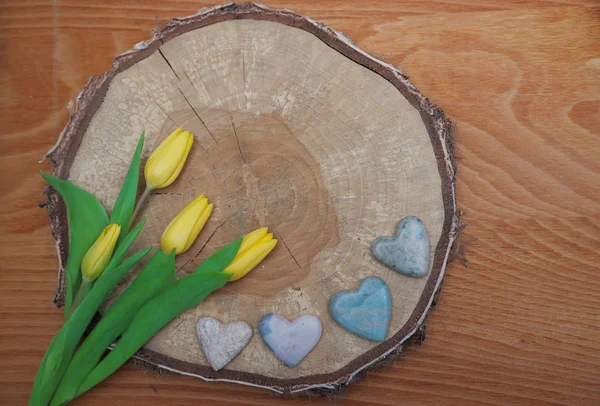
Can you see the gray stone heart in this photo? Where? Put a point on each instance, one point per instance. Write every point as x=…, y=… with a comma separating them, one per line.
x=408, y=251
x=221, y=343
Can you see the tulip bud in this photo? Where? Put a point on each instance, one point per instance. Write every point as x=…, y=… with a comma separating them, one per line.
x=181, y=233
x=98, y=256
x=254, y=248
x=166, y=162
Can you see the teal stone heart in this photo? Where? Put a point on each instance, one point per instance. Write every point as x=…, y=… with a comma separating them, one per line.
x=407, y=252
x=365, y=312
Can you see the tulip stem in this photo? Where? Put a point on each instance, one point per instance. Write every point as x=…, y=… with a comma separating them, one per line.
x=83, y=290
x=141, y=202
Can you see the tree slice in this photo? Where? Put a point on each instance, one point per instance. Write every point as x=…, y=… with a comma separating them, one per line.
x=296, y=129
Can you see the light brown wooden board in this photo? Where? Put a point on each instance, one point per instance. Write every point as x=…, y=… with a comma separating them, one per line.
x=507, y=330
x=295, y=129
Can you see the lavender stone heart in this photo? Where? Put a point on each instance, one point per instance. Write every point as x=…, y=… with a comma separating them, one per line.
x=407, y=252
x=221, y=343
x=290, y=342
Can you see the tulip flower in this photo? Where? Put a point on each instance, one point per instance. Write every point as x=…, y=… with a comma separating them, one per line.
x=166, y=162
x=99, y=254
x=254, y=248
x=181, y=233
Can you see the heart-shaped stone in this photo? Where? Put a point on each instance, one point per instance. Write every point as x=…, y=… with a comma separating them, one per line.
x=407, y=252
x=366, y=311
x=290, y=342
x=221, y=343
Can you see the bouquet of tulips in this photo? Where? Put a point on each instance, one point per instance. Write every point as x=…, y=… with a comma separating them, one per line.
x=96, y=262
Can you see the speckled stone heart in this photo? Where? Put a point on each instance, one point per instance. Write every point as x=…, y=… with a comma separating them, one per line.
x=290, y=342
x=407, y=252
x=366, y=311
x=221, y=343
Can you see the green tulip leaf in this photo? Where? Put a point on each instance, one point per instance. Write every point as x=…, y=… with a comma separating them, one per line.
x=125, y=203
x=176, y=298
x=122, y=248
x=222, y=258
x=158, y=273
x=87, y=218
x=181, y=295
x=61, y=350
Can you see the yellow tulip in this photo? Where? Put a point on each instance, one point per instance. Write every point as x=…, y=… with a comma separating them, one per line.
x=97, y=257
x=166, y=162
x=181, y=233
x=254, y=248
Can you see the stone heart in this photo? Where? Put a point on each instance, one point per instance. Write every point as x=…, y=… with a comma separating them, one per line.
x=221, y=343
x=407, y=252
x=365, y=312
x=290, y=342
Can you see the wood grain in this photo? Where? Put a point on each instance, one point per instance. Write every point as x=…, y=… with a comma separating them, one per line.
x=520, y=325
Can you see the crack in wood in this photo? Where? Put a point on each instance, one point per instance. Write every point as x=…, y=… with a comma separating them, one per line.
x=252, y=184
x=206, y=242
x=197, y=115
x=190, y=80
x=237, y=141
x=181, y=320
x=200, y=145
x=287, y=248
x=168, y=63
x=192, y=107
x=183, y=95
x=166, y=114
x=244, y=72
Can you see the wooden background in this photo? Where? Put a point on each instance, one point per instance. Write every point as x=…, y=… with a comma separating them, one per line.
x=519, y=325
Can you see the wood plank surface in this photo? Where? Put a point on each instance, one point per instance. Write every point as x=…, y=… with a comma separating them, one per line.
x=519, y=325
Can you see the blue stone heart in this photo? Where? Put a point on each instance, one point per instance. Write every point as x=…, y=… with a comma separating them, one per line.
x=365, y=312
x=407, y=252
